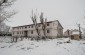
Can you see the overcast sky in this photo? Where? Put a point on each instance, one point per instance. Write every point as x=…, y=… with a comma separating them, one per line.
x=68, y=12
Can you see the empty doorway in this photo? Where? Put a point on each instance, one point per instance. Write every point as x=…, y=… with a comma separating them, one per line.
x=25, y=33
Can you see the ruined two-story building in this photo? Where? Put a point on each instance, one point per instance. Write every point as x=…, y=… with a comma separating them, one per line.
x=53, y=30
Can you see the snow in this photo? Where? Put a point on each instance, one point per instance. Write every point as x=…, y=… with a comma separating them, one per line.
x=42, y=47
x=75, y=33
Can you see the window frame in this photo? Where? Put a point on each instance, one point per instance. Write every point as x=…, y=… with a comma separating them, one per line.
x=48, y=24
x=32, y=26
x=25, y=27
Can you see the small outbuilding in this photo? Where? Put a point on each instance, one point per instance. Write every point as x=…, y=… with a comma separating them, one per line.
x=75, y=35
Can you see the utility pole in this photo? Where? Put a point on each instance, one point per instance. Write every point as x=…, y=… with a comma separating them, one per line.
x=79, y=31
x=68, y=32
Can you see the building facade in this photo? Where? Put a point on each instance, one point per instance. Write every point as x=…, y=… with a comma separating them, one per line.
x=53, y=30
x=73, y=34
x=67, y=33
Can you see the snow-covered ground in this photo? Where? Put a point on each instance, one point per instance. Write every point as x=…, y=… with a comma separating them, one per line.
x=42, y=47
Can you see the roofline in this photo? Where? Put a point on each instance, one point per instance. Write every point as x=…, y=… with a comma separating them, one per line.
x=38, y=23
x=60, y=24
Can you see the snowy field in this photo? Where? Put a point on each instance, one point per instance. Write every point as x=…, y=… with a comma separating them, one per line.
x=47, y=47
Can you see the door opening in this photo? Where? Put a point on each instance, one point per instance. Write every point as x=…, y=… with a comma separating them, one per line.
x=25, y=33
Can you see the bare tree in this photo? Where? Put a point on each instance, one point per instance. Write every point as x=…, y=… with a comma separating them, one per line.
x=5, y=28
x=43, y=22
x=3, y=1
x=4, y=15
x=34, y=19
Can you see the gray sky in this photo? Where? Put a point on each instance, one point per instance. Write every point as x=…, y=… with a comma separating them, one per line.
x=68, y=12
